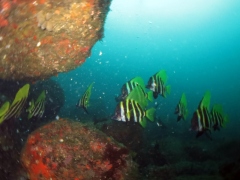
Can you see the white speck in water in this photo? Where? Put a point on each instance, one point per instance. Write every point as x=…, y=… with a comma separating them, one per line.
x=38, y=44
x=57, y=117
x=60, y=140
x=100, y=53
x=1, y=38
x=35, y=3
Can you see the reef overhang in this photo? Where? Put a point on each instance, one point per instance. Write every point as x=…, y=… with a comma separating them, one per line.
x=41, y=38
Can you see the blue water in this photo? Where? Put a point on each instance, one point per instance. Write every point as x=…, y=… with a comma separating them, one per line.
x=196, y=42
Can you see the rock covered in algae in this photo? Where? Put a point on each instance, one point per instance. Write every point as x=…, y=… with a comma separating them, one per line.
x=70, y=150
x=40, y=38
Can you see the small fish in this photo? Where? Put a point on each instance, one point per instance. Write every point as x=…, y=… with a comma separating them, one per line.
x=84, y=100
x=130, y=110
x=37, y=109
x=134, y=89
x=181, y=109
x=218, y=117
x=202, y=120
x=16, y=107
x=157, y=82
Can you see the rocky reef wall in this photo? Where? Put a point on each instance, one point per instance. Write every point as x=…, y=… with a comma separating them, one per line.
x=41, y=38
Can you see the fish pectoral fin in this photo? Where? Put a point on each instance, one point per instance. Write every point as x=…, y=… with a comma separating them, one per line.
x=85, y=109
x=200, y=133
x=179, y=118
x=150, y=114
x=150, y=96
x=143, y=122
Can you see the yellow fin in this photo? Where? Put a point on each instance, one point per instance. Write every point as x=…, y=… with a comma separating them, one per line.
x=3, y=111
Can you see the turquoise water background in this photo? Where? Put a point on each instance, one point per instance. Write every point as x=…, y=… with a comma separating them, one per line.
x=197, y=43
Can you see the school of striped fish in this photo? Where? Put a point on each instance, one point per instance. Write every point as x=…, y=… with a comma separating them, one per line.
x=13, y=110
x=132, y=105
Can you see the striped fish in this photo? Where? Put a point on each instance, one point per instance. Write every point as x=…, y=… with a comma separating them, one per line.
x=37, y=109
x=130, y=110
x=157, y=82
x=202, y=120
x=181, y=109
x=84, y=100
x=218, y=117
x=135, y=89
x=16, y=107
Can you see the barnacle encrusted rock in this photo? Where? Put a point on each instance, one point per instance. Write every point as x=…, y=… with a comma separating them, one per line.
x=40, y=38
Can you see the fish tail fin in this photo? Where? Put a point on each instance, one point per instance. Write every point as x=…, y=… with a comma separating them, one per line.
x=167, y=91
x=3, y=111
x=225, y=120
x=143, y=122
x=150, y=114
x=150, y=96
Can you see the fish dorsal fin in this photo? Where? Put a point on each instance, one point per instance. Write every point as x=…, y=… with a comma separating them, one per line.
x=183, y=100
x=206, y=100
x=163, y=75
x=87, y=93
x=137, y=94
x=22, y=93
x=90, y=88
x=225, y=120
x=4, y=108
x=138, y=80
x=217, y=108
x=41, y=97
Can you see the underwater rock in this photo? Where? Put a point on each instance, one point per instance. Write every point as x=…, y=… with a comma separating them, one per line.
x=131, y=135
x=230, y=170
x=161, y=173
x=40, y=38
x=64, y=149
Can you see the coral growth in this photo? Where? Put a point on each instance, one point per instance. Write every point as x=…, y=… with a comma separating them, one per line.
x=68, y=150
